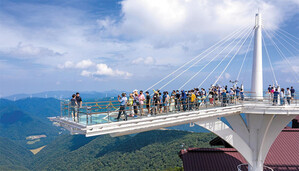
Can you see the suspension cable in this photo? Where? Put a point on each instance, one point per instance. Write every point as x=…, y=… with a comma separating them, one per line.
x=224, y=39
x=288, y=33
x=233, y=57
x=271, y=66
x=282, y=55
x=288, y=37
x=209, y=62
x=286, y=42
x=245, y=57
x=222, y=60
x=191, y=66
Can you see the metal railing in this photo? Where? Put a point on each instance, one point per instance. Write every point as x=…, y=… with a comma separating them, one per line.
x=90, y=113
x=243, y=167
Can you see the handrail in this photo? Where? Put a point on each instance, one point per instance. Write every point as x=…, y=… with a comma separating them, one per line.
x=107, y=112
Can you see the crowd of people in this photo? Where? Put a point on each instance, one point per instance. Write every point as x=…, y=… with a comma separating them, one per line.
x=280, y=95
x=139, y=104
x=177, y=100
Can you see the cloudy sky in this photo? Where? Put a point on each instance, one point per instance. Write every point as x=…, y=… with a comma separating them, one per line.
x=100, y=45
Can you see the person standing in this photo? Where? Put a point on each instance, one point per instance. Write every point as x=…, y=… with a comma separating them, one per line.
x=135, y=103
x=292, y=92
x=156, y=101
x=275, y=97
x=79, y=100
x=74, y=108
x=242, y=94
x=282, y=96
x=183, y=99
x=79, y=104
x=288, y=95
x=178, y=100
x=192, y=100
x=224, y=98
x=130, y=104
x=141, y=101
x=147, y=102
x=211, y=99
x=172, y=103
x=237, y=93
x=122, y=108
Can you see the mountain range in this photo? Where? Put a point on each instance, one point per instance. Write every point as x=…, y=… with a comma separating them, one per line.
x=24, y=126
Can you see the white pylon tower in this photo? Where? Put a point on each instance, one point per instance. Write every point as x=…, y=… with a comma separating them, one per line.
x=257, y=66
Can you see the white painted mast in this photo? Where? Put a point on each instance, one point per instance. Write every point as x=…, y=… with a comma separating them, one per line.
x=257, y=66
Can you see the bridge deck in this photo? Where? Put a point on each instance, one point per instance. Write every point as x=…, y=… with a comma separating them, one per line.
x=95, y=126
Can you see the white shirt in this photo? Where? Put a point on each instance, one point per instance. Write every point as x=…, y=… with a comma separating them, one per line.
x=281, y=94
x=288, y=93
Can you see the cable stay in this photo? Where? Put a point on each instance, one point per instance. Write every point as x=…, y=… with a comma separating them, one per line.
x=288, y=33
x=271, y=66
x=245, y=57
x=208, y=63
x=232, y=58
x=282, y=55
x=224, y=39
x=285, y=41
x=222, y=60
x=288, y=37
x=191, y=66
x=284, y=45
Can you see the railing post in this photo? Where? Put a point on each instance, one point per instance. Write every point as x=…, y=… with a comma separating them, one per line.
x=61, y=108
x=68, y=109
x=108, y=110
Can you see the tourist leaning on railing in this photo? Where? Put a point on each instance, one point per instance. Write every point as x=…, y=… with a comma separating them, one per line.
x=282, y=97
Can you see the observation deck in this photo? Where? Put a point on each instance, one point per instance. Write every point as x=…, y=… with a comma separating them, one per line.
x=99, y=118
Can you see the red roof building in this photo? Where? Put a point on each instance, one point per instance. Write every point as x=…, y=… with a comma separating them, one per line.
x=283, y=155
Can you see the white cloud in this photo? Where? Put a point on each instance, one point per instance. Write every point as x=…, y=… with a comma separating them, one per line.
x=80, y=65
x=104, y=70
x=86, y=73
x=173, y=31
x=24, y=51
x=170, y=22
x=84, y=64
x=94, y=70
x=147, y=61
x=67, y=64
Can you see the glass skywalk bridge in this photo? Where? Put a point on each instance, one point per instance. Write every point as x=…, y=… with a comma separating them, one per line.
x=98, y=118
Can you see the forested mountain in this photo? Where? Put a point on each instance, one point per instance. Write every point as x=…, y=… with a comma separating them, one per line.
x=154, y=150
x=28, y=117
x=13, y=156
x=23, y=119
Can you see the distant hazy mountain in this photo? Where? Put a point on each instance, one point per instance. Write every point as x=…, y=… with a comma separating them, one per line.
x=65, y=95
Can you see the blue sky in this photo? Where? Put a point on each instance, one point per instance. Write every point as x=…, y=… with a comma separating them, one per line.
x=100, y=45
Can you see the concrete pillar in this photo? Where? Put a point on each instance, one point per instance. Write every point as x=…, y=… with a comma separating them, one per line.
x=257, y=66
x=253, y=140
